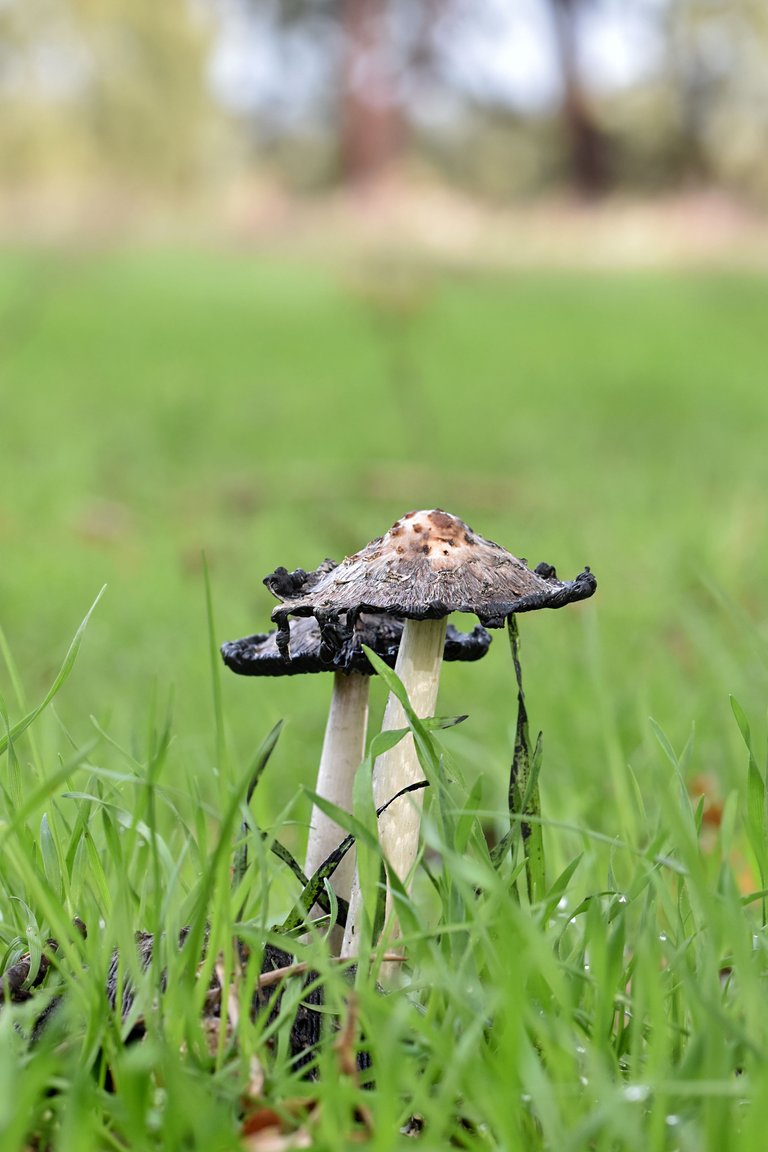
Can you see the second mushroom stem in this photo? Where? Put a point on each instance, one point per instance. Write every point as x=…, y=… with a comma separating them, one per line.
x=418, y=666
x=343, y=749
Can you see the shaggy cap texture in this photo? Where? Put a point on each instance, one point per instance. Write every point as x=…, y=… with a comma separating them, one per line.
x=428, y=565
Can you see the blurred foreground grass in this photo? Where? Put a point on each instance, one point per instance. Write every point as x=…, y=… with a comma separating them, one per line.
x=160, y=405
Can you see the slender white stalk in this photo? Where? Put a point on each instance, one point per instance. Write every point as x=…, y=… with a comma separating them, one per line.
x=418, y=666
x=343, y=749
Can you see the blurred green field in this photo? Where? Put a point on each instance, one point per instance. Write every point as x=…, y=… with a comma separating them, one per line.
x=156, y=406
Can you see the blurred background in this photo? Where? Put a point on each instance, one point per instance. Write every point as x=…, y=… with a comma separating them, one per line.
x=228, y=110
x=273, y=273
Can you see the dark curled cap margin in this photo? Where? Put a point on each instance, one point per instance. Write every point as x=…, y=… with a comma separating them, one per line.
x=427, y=565
x=260, y=655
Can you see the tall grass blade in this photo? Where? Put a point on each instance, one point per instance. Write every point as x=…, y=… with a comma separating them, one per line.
x=757, y=799
x=213, y=652
x=60, y=679
x=255, y=773
x=523, y=796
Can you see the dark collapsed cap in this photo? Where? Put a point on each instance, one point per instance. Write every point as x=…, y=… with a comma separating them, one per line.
x=428, y=565
x=260, y=656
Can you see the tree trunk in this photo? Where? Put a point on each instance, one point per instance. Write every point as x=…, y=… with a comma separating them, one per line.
x=586, y=142
x=371, y=120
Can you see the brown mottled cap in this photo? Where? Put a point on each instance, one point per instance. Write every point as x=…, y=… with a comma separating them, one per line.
x=260, y=656
x=428, y=565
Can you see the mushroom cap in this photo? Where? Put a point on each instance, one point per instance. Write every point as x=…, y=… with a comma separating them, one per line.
x=427, y=565
x=260, y=656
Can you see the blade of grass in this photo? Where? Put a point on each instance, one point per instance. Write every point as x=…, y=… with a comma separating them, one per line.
x=523, y=795
x=60, y=679
x=757, y=799
x=255, y=772
x=18, y=688
x=215, y=659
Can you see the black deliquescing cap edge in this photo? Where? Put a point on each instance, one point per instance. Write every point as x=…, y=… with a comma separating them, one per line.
x=259, y=655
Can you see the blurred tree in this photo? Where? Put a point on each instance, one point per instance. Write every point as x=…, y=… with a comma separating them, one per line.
x=586, y=143
x=371, y=121
x=367, y=106
x=716, y=67
x=387, y=48
x=121, y=85
x=122, y=88
x=146, y=96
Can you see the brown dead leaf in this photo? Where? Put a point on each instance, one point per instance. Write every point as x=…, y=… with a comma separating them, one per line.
x=267, y=1130
x=272, y=1138
x=705, y=786
x=344, y=1044
x=345, y=1047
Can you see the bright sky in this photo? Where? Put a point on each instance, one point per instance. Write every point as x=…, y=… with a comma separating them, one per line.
x=493, y=49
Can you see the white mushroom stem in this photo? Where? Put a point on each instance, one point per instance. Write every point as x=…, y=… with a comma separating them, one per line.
x=343, y=749
x=418, y=665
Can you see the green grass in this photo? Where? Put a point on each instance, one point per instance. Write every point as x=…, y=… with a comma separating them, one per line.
x=155, y=407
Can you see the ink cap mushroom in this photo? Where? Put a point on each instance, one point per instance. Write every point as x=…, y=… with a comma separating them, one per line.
x=346, y=727
x=428, y=565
